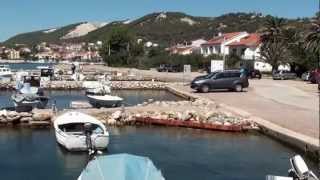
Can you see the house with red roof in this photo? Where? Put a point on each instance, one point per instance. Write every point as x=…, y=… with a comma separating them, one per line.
x=247, y=47
x=192, y=47
x=219, y=44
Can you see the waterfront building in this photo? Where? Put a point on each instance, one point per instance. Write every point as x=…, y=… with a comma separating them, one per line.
x=187, y=49
x=219, y=44
x=13, y=54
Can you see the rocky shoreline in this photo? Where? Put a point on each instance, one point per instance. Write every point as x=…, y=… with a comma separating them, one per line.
x=34, y=118
x=199, y=111
x=79, y=85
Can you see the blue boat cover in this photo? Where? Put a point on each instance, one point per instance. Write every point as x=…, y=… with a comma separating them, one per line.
x=121, y=167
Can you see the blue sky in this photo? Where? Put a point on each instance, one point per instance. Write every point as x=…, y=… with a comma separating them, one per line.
x=17, y=16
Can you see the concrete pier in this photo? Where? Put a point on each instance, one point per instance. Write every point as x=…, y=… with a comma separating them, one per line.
x=304, y=143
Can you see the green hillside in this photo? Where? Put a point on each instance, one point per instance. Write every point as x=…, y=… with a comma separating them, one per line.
x=36, y=37
x=163, y=28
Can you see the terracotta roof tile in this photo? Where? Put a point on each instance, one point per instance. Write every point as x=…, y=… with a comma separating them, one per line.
x=251, y=40
x=223, y=37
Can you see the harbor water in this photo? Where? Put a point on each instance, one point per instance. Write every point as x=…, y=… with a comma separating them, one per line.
x=180, y=153
x=25, y=65
x=62, y=98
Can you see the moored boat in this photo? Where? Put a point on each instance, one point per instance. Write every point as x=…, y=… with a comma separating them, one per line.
x=102, y=90
x=73, y=130
x=299, y=171
x=5, y=71
x=26, y=102
x=28, y=98
x=104, y=101
x=121, y=167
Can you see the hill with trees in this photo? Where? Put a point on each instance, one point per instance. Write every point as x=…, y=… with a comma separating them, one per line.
x=164, y=28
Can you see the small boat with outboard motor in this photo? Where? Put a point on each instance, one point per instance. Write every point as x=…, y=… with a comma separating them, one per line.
x=74, y=130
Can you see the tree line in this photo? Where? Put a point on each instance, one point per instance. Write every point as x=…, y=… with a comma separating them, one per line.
x=285, y=44
x=282, y=43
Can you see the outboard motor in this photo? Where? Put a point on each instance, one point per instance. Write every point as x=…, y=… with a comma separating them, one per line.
x=300, y=170
x=88, y=132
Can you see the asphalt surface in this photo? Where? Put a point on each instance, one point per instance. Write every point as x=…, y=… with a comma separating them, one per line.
x=290, y=104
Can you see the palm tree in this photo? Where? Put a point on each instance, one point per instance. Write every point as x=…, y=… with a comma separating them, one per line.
x=273, y=49
x=312, y=39
x=273, y=27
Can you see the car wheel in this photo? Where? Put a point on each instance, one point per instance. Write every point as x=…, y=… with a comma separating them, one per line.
x=204, y=88
x=238, y=88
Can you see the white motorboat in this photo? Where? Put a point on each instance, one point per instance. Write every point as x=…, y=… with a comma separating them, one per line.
x=104, y=101
x=299, y=171
x=101, y=90
x=28, y=98
x=73, y=133
x=101, y=87
x=121, y=167
x=5, y=71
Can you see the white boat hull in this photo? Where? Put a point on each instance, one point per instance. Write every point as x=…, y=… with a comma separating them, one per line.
x=96, y=102
x=40, y=103
x=78, y=142
x=71, y=134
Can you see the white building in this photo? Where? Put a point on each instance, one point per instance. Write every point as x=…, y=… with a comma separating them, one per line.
x=186, y=49
x=219, y=44
x=13, y=54
x=247, y=47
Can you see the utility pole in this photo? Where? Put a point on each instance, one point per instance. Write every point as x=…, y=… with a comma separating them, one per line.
x=319, y=100
x=109, y=49
x=224, y=54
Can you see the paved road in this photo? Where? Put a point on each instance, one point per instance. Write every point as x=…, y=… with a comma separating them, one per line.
x=291, y=104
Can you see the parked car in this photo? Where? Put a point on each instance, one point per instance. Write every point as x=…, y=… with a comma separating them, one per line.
x=305, y=76
x=169, y=68
x=228, y=79
x=314, y=75
x=254, y=73
x=283, y=75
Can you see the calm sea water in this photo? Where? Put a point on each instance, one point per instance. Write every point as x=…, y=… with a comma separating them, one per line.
x=25, y=66
x=63, y=98
x=186, y=154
